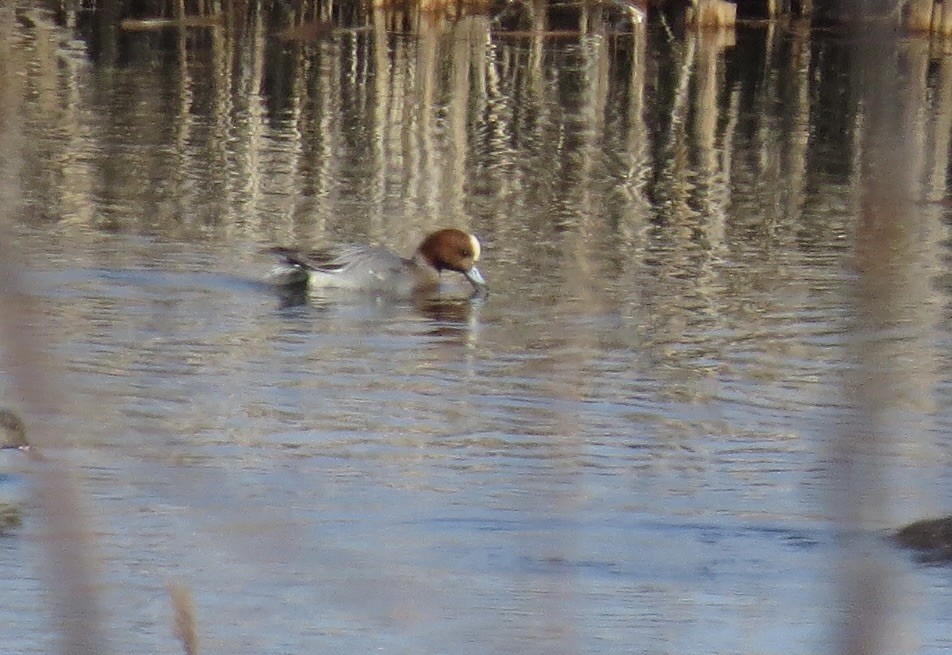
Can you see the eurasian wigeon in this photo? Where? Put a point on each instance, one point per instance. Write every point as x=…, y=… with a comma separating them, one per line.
x=12, y=431
x=377, y=269
x=13, y=489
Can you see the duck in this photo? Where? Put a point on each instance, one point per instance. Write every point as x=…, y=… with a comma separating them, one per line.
x=380, y=270
x=12, y=431
x=12, y=493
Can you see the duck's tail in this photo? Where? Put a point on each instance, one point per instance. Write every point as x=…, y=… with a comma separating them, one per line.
x=290, y=271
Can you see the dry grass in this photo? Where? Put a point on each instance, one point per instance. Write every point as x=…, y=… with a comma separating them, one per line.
x=184, y=617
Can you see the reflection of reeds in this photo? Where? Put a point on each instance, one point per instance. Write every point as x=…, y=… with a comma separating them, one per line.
x=517, y=15
x=929, y=16
x=441, y=7
x=712, y=13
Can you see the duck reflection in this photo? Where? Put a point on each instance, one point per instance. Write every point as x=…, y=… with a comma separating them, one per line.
x=449, y=317
x=452, y=311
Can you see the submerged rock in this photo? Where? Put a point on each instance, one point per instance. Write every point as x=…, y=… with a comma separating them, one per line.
x=930, y=538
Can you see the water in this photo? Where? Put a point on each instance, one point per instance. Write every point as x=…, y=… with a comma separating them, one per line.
x=632, y=444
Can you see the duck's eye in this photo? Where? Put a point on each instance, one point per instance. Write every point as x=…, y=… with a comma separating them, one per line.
x=465, y=253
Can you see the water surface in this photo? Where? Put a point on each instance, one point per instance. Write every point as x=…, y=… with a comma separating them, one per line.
x=631, y=444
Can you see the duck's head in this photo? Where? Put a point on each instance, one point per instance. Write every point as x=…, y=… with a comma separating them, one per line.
x=454, y=250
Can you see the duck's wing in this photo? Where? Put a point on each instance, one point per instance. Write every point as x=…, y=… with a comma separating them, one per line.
x=313, y=260
x=358, y=267
x=336, y=259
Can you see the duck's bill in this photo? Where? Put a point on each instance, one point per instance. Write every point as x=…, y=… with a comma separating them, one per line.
x=476, y=279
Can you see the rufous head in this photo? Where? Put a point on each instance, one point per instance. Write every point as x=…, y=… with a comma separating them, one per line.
x=454, y=250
